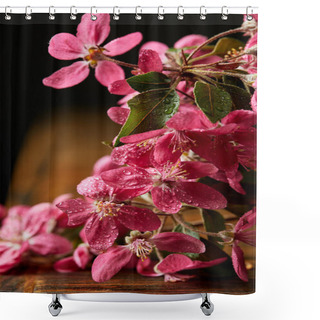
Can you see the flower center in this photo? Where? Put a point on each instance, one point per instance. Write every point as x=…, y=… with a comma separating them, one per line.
x=93, y=56
x=107, y=209
x=173, y=172
x=180, y=141
x=139, y=245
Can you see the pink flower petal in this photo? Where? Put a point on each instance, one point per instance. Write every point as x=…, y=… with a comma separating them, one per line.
x=106, y=265
x=68, y=76
x=168, y=149
x=149, y=60
x=138, y=219
x=234, y=181
x=248, y=237
x=11, y=228
x=248, y=220
x=123, y=44
x=49, y=243
x=78, y=211
x=197, y=169
x=18, y=211
x=81, y=256
x=66, y=46
x=189, y=41
x=146, y=268
x=175, y=277
x=119, y=114
x=199, y=195
x=127, y=178
x=120, y=87
x=93, y=33
x=165, y=199
x=107, y=72
x=254, y=101
x=101, y=234
x=159, y=47
x=139, y=137
x=105, y=163
x=66, y=265
x=243, y=118
x=238, y=263
x=94, y=188
x=177, y=242
x=9, y=257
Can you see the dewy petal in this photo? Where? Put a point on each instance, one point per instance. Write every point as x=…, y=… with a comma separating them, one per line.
x=238, y=262
x=177, y=242
x=165, y=199
x=49, y=243
x=127, y=178
x=157, y=46
x=247, y=221
x=139, y=137
x=123, y=44
x=189, y=41
x=66, y=46
x=197, y=169
x=106, y=265
x=101, y=234
x=243, y=118
x=149, y=60
x=138, y=219
x=93, y=33
x=146, y=268
x=105, y=163
x=66, y=265
x=78, y=211
x=68, y=76
x=199, y=195
x=120, y=87
x=107, y=72
x=9, y=257
x=167, y=149
x=81, y=256
x=94, y=188
x=119, y=114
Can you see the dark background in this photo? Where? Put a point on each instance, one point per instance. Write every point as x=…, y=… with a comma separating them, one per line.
x=25, y=61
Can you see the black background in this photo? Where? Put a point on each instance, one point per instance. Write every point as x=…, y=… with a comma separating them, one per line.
x=25, y=61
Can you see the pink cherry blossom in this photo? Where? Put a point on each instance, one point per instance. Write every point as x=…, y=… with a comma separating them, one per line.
x=87, y=45
x=28, y=228
x=106, y=265
x=169, y=184
x=171, y=265
x=102, y=215
x=251, y=59
x=104, y=163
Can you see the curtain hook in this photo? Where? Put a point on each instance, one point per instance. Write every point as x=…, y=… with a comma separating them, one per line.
x=160, y=14
x=180, y=13
x=6, y=14
x=73, y=13
x=52, y=11
x=138, y=15
x=28, y=13
x=224, y=13
x=203, y=13
x=116, y=13
x=93, y=17
x=249, y=15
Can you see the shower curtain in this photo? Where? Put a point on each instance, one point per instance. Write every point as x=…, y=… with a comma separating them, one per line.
x=128, y=153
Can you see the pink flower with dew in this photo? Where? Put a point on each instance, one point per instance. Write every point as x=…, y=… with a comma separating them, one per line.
x=104, y=163
x=87, y=45
x=251, y=59
x=28, y=229
x=170, y=184
x=254, y=98
x=106, y=211
x=242, y=232
x=106, y=265
x=171, y=265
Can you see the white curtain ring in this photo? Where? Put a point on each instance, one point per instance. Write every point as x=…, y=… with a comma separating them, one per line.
x=224, y=13
x=93, y=17
x=73, y=13
x=249, y=15
x=203, y=13
x=116, y=13
x=160, y=13
x=28, y=13
x=7, y=10
x=52, y=11
x=180, y=13
x=138, y=14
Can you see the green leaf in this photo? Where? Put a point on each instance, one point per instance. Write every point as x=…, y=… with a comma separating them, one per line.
x=150, y=110
x=241, y=99
x=213, y=222
x=226, y=44
x=180, y=228
x=216, y=103
x=149, y=81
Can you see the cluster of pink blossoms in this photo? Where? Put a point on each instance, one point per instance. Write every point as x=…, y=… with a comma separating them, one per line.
x=155, y=171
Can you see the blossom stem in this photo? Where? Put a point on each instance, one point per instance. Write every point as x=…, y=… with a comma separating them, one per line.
x=220, y=35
